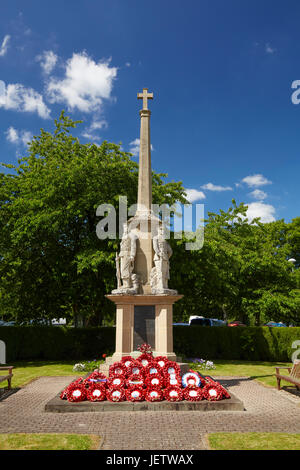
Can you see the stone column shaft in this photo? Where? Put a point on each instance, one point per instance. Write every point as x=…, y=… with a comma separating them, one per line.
x=145, y=174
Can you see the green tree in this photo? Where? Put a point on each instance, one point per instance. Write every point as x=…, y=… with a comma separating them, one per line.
x=242, y=272
x=52, y=263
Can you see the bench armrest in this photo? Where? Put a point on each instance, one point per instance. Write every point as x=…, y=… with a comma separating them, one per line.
x=7, y=368
x=277, y=369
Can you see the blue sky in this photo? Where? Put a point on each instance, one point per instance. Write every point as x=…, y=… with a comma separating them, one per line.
x=222, y=122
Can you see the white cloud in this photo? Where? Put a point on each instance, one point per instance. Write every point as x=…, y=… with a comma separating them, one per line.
x=193, y=195
x=135, y=147
x=266, y=212
x=12, y=135
x=4, y=45
x=128, y=64
x=213, y=187
x=256, y=180
x=85, y=85
x=18, y=137
x=258, y=194
x=16, y=97
x=269, y=49
x=90, y=132
x=47, y=60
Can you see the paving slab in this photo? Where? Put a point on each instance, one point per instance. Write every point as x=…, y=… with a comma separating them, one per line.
x=266, y=410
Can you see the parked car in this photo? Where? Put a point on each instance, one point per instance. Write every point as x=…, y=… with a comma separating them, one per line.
x=273, y=323
x=7, y=323
x=181, y=324
x=236, y=323
x=202, y=321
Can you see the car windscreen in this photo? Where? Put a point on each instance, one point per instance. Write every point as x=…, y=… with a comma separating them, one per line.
x=200, y=321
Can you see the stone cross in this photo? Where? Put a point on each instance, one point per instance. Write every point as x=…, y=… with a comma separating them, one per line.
x=145, y=96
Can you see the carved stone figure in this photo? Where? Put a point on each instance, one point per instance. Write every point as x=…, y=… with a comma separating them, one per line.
x=160, y=272
x=127, y=281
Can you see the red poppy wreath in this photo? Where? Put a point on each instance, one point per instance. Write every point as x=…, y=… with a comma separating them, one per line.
x=117, y=381
x=136, y=368
x=154, y=381
x=134, y=380
x=145, y=359
x=161, y=361
x=153, y=394
x=193, y=393
x=172, y=380
x=212, y=392
x=172, y=368
x=135, y=393
x=96, y=392
x=153, y=368
x=116, y=394
x=76, y=392
x=118, y=368
x=173, y=393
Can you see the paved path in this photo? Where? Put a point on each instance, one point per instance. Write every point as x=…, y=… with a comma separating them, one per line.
x=266, y=410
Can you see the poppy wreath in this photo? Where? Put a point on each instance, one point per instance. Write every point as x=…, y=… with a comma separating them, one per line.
x=63, y=395
x=145, y=359
x=212, y=392
x=127, y=361
x=154, y=381
x=98, y=381
x=97, y=376
x=135, y=380
x=135, y=393
x=225, y=394
x=118, y=368
x=173, y=380
x=76, y=392
x=153, y=394
x=152, y=368
x=145, y=348
x=161, y=361
x=173, y=393
x=116, y=382
x=171, y=368
x=116, y=394
x=193, y=393
x=191, y=379
x=135, y=368
x=96, y=392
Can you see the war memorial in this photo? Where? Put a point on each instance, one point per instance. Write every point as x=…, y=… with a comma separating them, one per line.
x=144, y=372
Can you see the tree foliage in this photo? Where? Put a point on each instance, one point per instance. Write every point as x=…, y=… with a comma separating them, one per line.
x=242, y=272
x=52, y=264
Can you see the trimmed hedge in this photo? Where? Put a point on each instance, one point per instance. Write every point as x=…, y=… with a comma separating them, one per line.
x=64, y=343
x=245, y=343
x=56, y=342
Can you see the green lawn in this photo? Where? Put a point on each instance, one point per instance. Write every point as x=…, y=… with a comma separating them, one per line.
x=254, y=441
x=261, y=371
x=25, y=371
x=21, y=441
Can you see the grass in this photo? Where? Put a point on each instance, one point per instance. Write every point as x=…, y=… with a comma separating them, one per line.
x=261, y=371
x=254, y=441
x=26, y=371
x=22, y=441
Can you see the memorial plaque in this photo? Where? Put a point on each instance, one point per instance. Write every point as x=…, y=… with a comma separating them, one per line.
x=144, y=325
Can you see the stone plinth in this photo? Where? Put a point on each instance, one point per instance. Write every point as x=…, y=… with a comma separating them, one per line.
x=57, y=405
x=162, y=306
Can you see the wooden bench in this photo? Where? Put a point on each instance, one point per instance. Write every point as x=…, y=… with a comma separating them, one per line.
x=7, y=377
x=293, y=377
